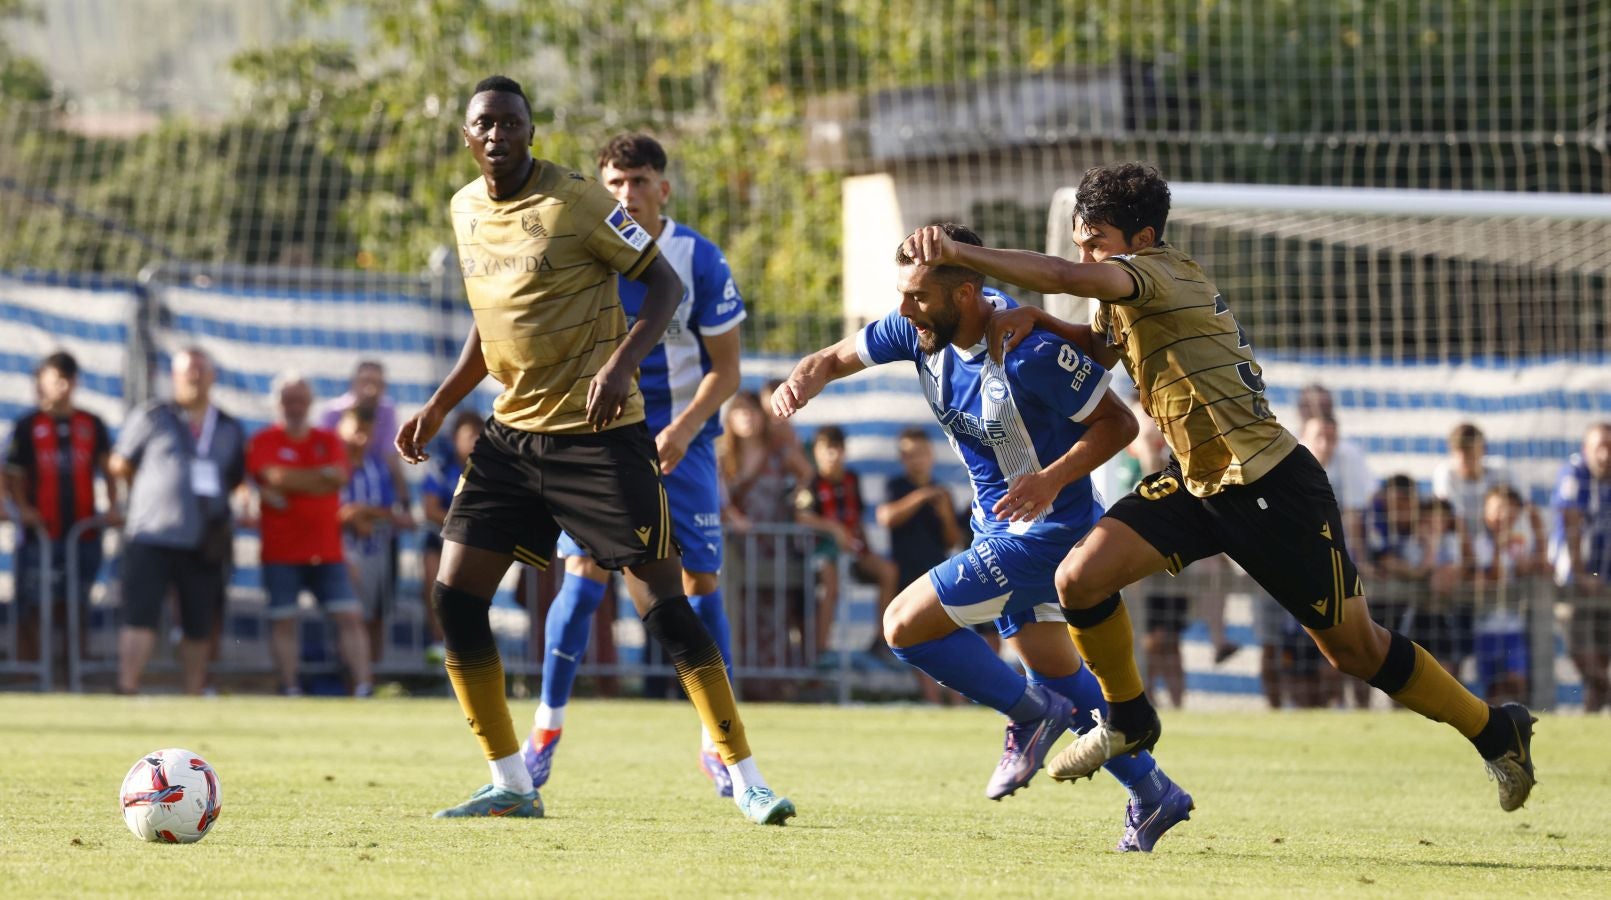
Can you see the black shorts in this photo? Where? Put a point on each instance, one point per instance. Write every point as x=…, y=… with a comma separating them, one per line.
x=1285, y=530
x=521, y=488
x=148, y=572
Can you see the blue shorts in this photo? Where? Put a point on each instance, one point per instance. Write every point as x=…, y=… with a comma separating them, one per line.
x=1004, y=578
x=696, y=511
x=328, y=582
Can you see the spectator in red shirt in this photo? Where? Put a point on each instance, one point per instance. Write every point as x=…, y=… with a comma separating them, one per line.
x=299, y=471
x=57, y=452
x=832, y=504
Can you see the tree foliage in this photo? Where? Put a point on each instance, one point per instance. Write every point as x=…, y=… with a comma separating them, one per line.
x=346, y=154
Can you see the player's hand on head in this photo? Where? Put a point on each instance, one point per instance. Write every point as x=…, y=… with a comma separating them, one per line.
x=1007, y=329
x=931, y=246
x=1029, y=496
x=607, y=395
x=416, y=434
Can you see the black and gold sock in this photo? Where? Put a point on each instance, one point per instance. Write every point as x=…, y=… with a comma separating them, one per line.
x=1106, y=640
x=700, y=669
x=475, y=669
x=1413, y=677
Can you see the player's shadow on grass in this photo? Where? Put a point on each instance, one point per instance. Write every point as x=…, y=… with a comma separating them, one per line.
x=1439, y=863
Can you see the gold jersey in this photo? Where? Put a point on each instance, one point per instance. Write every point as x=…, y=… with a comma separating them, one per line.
x=1194, y=369
x=539, y=270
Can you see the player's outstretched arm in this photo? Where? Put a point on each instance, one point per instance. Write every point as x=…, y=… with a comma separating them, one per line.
x=468, y=371
x=813, y=373
x=612, y=385
x=1108, y=429
x=931, y=246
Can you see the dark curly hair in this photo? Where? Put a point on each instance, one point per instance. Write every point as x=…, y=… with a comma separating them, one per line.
x=1128, y=196
x=950, y=275
x=633, y=151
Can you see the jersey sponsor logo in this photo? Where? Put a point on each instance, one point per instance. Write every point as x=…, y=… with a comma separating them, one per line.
x=708, y=520
x=989, y=432
x=628, y=229
x=1068, y=357
x=481, y=267
x=724, y=308
x=987, y=565
x=729, y=291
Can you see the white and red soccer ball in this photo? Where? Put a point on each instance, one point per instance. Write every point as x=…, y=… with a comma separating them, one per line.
x=171, y=796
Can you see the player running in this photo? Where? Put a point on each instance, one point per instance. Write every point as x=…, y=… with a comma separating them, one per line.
x=685, y=380
x=1030, y=430
x=566, y=446
x=1239, y=483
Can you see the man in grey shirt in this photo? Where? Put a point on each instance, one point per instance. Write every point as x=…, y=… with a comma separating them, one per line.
x=183, y=458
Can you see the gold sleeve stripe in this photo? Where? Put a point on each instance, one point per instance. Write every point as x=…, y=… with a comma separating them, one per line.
x=644, y=259
x=1136, y=277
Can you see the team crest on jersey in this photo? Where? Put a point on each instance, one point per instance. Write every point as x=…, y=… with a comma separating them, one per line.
x=628, y=228
x=989, y=432
x=995, y=389
x=532, y=225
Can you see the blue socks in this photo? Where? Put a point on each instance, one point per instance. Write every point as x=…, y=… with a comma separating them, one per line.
x=963, y=662
x=565, y=636
x=1139, y=774
x=709, y=609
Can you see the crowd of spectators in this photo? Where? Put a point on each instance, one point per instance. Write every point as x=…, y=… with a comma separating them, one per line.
x=1455, y=567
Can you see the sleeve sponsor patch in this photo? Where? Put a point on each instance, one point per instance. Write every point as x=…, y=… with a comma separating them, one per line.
x=628, y=228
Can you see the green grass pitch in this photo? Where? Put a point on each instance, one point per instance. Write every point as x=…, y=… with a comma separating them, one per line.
x=332, y=798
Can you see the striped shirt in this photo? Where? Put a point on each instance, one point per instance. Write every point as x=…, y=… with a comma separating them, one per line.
x=669, y=376
x=539, y=272
x=1193, y=366
x=1006, y=420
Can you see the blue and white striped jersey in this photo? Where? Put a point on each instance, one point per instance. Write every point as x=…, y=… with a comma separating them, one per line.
x=1004, y=421
x=710, y=305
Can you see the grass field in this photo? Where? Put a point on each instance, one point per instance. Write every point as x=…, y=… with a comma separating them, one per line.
x=331, y=798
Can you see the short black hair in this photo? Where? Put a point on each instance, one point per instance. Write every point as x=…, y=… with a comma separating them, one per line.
x=832, y=435
x=503, y=84
x=1129, y=196
x=1399, y=484
x=914, y=433
x=951, y=275
x=630, y=150
x=63, y=362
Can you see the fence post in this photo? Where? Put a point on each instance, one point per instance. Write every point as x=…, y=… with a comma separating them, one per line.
x=1540, y=619
x=46, y=555
x=75, y=661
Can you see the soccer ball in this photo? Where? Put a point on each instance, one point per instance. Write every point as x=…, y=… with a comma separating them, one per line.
x=171, y=796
